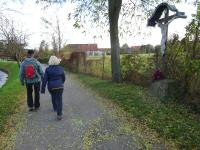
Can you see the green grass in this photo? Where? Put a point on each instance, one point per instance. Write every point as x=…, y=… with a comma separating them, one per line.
x=170, y=120
x=11, y=93
x=145, y=62
x=96, y=67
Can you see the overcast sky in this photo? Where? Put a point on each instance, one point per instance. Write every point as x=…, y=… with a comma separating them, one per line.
x=29, y=16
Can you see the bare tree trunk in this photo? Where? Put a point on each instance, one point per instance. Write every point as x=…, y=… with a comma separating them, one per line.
x=59, y=36
x=54, y=45
x=17, y=59
x=114, y=10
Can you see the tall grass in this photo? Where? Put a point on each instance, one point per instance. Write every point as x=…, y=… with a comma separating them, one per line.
x=172, y=121
x=11, y=93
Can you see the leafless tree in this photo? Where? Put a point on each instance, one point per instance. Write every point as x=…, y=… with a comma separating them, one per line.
x=56, y=35
x=14, y=40
x=42, y=46
x=54, y=44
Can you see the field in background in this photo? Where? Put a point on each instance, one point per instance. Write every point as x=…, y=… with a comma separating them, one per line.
x=101, y=66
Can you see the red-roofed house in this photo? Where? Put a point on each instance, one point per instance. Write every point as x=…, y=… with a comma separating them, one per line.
x=135, y=48
x=90, y=49
x=83, y=47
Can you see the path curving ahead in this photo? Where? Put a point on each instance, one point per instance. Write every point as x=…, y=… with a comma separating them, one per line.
x=86, y=124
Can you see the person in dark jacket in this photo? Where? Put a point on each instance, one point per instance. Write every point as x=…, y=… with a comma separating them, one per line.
x=54, y=77
x=31, y=74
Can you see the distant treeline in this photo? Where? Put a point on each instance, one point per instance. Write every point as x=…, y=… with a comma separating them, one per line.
x=125, y=49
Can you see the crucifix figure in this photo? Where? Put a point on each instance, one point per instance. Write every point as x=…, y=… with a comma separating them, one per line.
x=163, y=23
x=164, y=30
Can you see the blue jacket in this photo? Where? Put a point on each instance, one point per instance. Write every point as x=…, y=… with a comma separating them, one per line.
x=39, y=71
x=55, y=77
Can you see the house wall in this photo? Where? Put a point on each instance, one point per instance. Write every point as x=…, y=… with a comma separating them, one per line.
x=95, y=53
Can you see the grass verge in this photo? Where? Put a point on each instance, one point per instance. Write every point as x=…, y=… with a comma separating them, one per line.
x=170, y=120
x=10, y=94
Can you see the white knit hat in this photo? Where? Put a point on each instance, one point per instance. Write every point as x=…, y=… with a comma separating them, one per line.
x=53, y=60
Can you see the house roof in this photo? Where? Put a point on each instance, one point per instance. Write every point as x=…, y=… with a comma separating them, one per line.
x=135, y=47
x=83, y=47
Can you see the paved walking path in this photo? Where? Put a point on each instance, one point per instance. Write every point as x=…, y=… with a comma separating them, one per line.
x=86, y=124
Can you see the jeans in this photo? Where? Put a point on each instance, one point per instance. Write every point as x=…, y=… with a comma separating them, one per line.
x=56, y=96
x=29, y=87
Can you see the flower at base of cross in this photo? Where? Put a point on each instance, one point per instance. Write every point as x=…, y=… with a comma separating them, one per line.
x=158, y=75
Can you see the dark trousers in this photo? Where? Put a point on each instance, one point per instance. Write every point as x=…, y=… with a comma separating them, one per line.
x=56, y=96
x=36, y=87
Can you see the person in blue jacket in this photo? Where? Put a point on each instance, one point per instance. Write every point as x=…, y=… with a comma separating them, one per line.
x=31, y=74
x=54, y=77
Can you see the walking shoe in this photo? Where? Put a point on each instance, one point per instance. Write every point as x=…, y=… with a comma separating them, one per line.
x=31, y=109
x=36, y=109
x=59, y=117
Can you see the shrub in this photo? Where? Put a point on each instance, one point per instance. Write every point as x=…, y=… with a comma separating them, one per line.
x=137, y=68
x=182, y=67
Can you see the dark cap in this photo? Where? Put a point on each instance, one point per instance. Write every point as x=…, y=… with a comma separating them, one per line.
x=30, y=52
